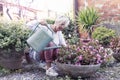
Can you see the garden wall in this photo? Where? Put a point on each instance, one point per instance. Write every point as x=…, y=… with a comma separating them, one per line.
x=109, y=9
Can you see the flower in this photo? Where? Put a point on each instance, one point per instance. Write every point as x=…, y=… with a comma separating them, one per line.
x=115, y=44
x=83, y=53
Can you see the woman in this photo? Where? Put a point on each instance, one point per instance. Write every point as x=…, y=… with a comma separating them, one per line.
x=50, y=55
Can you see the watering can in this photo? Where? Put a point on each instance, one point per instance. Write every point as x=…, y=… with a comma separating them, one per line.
x=39, y=39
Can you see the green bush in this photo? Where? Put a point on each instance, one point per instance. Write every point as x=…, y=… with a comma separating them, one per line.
x=50, y=21
x=103, y=35
x=13, y=36
x=70, y=33
x=87, y=17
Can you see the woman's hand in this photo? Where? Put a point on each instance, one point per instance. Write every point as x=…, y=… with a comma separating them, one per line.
x=43, y=22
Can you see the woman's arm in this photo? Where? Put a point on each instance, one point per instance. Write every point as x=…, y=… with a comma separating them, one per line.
x=62, y=39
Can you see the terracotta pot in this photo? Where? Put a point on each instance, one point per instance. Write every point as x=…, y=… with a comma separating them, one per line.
x=76, y=70
x=84, y=35
x=85, y=40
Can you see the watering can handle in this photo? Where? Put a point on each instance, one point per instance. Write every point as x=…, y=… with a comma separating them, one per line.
x=38, y=26
x=33, y=30
x=50, y=29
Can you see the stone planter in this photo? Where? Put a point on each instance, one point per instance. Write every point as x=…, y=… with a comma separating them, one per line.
x=11, y=60
x=76, y=71
x=11, y=63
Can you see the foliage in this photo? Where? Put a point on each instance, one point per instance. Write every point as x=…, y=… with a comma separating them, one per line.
x=70, y=33
x=49, y=21
x=103, y=35
x=115, y=46
x=115, y=26
x=87, y=17
x=73, y=39
x=83, y=53
x=13, y=36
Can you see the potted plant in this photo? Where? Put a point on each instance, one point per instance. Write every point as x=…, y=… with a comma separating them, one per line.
x=13, y=37
x=87, y=18
x=81, y=59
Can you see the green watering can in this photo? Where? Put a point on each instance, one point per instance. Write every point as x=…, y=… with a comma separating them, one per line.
x=40, y=39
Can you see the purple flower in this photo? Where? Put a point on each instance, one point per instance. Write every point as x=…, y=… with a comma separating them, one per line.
x=105, y=55
x=98, y=56
x=91, y=47
x=77, y=63
x=78, y=49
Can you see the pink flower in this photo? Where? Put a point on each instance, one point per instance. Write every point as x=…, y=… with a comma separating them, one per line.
x=98, y=56
x=80, y=57
x=105, y=55
x=69, y=56
x=98, y=62
x=91, y=47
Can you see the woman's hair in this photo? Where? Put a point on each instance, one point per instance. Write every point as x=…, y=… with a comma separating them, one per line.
x=62, y=20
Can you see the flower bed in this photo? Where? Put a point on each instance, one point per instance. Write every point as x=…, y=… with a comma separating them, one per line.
x=83, y=54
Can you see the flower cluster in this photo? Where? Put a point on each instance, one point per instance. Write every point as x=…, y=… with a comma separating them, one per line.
x=83, y=53
x=115, y=44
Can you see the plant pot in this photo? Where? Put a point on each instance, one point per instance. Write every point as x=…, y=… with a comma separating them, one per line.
x=85, y=40
x=11, y=63
x=12, y=60
x=76, y=70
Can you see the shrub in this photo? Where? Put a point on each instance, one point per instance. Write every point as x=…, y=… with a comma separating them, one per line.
x=13, y=36
x=103, y=35
x=70, y=33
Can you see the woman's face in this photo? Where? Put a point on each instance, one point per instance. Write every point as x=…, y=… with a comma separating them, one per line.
x=60, y=27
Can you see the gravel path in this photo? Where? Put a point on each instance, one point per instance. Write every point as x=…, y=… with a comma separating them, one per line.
x=31, y=73
x=35, y=73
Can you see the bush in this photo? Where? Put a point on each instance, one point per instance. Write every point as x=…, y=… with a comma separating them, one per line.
x=103, y=35
x=13, y=36
x=71, y=34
